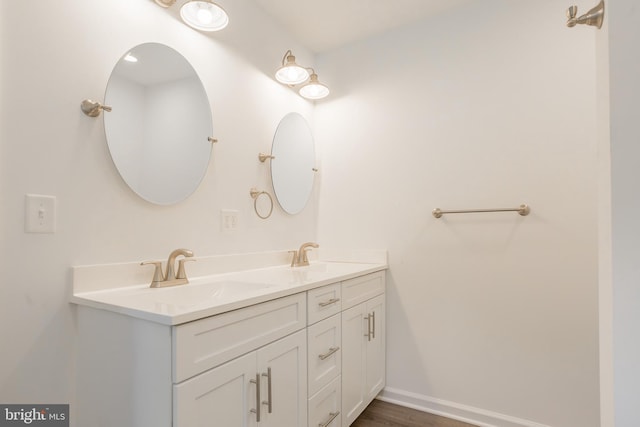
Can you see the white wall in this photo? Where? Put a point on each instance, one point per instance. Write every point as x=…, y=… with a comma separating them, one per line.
x=620, y=293
x=491, y=317
x=60, y=53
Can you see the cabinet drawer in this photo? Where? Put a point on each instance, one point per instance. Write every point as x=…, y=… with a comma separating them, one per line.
x=206, y=343
x=323, y=302
x=324, y=406
x=359, y=289
x=324, y=355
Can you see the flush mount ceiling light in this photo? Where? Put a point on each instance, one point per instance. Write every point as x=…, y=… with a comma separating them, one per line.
x=204, y=15
x=313, y=89
x=292, y=74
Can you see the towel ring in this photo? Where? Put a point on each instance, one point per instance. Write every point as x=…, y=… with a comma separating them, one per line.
x=255, y=195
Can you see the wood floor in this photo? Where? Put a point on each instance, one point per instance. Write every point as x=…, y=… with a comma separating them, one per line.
x=383, y=414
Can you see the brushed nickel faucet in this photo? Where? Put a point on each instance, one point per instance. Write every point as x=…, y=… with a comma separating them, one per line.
x=170, y=278
x=300, y=258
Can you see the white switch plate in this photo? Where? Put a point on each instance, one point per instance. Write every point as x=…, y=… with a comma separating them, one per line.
x=229, y=219
x=40, y=214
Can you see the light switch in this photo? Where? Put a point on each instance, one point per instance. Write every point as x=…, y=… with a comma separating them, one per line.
x=40, y=214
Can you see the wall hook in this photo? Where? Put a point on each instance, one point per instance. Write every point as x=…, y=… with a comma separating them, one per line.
x=593, y=17
x=93, y=108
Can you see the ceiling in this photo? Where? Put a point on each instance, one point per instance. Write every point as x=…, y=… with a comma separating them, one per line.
x=327, y=24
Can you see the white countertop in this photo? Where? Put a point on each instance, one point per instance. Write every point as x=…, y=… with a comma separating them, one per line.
x=217, y=293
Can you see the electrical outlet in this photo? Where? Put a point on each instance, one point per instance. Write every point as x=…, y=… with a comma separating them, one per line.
x=229, y=219
x=40, y=214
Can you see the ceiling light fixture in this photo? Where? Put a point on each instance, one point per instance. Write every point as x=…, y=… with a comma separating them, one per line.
x=313, y=89
x=291, y=74
x=204, y=15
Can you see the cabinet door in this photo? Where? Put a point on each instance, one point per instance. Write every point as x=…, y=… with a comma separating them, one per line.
x=375, y=372
x=223, y=396
x=283, y=369
x=354, y=348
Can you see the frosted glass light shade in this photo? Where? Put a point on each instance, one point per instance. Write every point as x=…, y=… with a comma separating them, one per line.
x=291, y=73
x=204, y=15
x=314, y=89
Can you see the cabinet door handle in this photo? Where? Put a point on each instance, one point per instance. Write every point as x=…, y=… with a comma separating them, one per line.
x=332, y=416
x=268, y=402
x=257, y=410
x=328, y=302
x=373, y=328
x=368, y=334
x=329, y=353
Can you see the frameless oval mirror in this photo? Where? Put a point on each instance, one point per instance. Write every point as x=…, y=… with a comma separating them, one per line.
x=159, y=127
x=293, y=162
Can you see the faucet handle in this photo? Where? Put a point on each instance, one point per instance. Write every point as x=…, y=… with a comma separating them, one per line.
x=157, y=273
x=181, y=272
x=294, y=260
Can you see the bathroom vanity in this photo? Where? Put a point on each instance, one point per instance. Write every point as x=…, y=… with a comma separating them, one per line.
x=271, y=346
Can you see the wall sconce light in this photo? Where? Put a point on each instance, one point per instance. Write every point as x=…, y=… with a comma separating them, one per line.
x=313, y=89
x=203, y=15
x=291, y=74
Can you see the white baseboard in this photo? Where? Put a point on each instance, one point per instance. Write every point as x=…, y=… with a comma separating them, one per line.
x=456, y=411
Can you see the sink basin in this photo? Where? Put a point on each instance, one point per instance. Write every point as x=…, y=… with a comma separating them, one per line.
x=202, y=293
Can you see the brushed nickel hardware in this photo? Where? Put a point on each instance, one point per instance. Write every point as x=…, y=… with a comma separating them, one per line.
x=328, y=353
x=371, y=332
x=268, y=402
x=373, y=328
x=523, y=210
x=212, y=140
x=300, y=259
x=257, y=410
x=181, y=274
x=328, y=302
x=332, y=416
x=295, y=256
x=93, y=108
x=158, y=277
x=170, y=278
x=594, y=17
x=263, y=157
x=255, y=194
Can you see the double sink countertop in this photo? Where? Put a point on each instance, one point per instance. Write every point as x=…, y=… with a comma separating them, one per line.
x=105, y=287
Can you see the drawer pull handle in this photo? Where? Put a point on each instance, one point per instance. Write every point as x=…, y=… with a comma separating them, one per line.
x=332, y=416
x=329, y=302
x=329, y=353
x=268, y=402
x=257, y=410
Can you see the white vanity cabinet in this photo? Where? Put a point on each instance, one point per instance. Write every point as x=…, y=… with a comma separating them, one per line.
x=308, y=357
x=363, y=345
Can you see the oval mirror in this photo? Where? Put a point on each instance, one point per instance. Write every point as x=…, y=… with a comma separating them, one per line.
x=293, y=162
x=159, y=127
